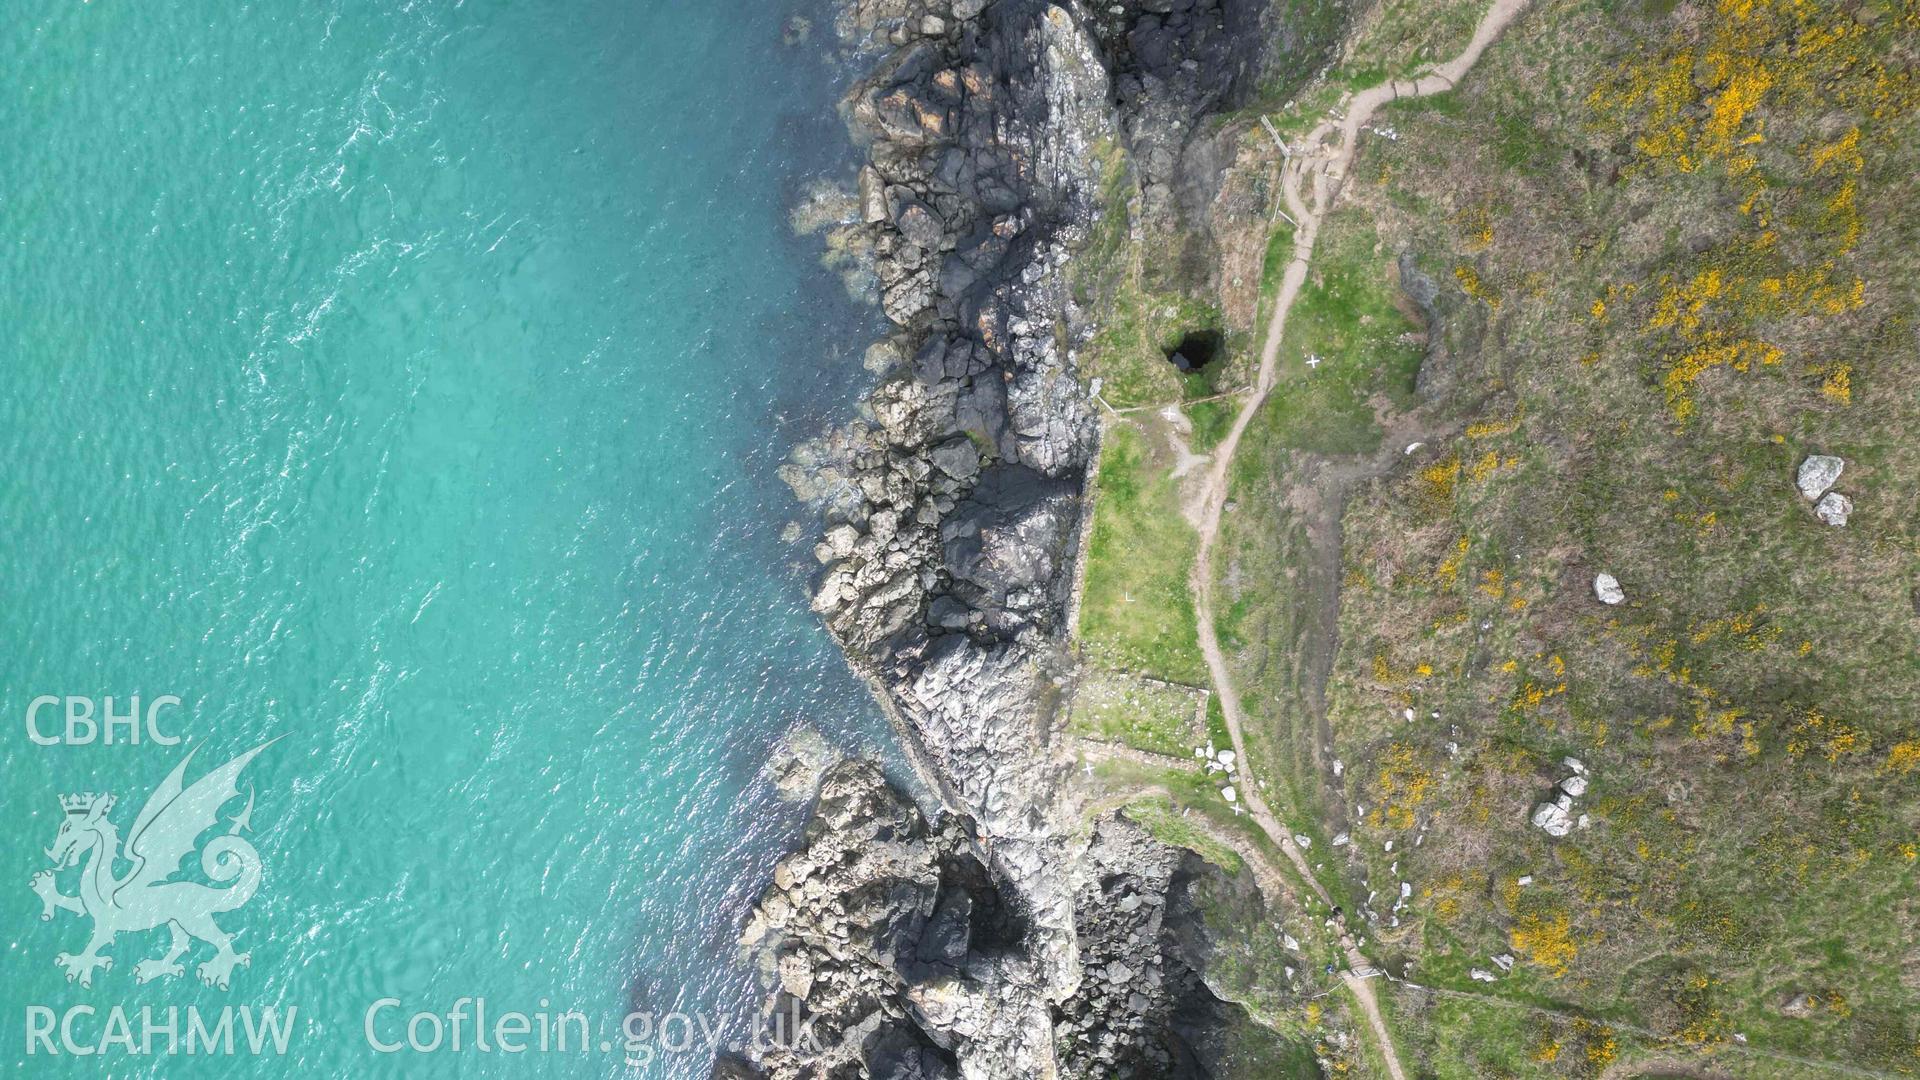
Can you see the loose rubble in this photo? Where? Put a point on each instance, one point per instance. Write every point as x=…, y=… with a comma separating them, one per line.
x=1555, y=816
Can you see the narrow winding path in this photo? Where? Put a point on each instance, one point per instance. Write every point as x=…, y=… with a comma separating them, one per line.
x=1311, y=178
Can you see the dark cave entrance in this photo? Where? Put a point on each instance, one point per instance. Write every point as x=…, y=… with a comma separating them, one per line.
x=1196, y=350
x=994, y=926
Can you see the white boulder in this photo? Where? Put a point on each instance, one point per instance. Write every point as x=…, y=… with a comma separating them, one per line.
x=1552, y=819
x=1834, y=508
x=1819, y=473
x=1607, y=589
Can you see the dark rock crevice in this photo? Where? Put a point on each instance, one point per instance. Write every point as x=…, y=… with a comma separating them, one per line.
x=1173, y=63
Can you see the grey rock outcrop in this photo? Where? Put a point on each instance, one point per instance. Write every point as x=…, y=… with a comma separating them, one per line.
x=887, y=949
x=1173, y=63
x=1144, y=1008
x=1436, y=374
x=875, y=903
x=798, y=763
x=953, y=510
x=954, y=513
x=981, y=946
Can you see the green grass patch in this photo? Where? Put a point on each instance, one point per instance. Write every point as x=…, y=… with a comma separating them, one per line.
x=1269, y=607
x=1136, y=613
x=1217, y=732
x=1138, y=328
x=1211, y=420
x=1446, y=104
x=1468, y=1040
x=1345, y=316
x=1158, y=816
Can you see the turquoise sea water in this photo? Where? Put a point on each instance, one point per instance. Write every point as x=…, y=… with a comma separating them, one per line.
x=407, y=379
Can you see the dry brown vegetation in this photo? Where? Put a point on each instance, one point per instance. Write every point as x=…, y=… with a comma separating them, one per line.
x=1674, y=257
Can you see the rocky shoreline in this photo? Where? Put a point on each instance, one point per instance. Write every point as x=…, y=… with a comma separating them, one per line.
x=1002, y=940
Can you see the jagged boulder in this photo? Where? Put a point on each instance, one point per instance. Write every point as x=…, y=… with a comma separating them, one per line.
x=1553, y=817
x=863, y=909
x=1818, y=474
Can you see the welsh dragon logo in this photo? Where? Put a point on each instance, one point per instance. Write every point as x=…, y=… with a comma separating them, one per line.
x=165, y=833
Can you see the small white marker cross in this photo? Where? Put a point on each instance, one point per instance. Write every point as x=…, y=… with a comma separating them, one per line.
x=1313, y=361
x=1089, y=769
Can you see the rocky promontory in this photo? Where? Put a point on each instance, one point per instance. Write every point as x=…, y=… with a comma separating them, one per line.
x=995, y=941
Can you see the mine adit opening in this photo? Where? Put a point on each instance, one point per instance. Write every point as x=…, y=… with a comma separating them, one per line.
x=1196, y=350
